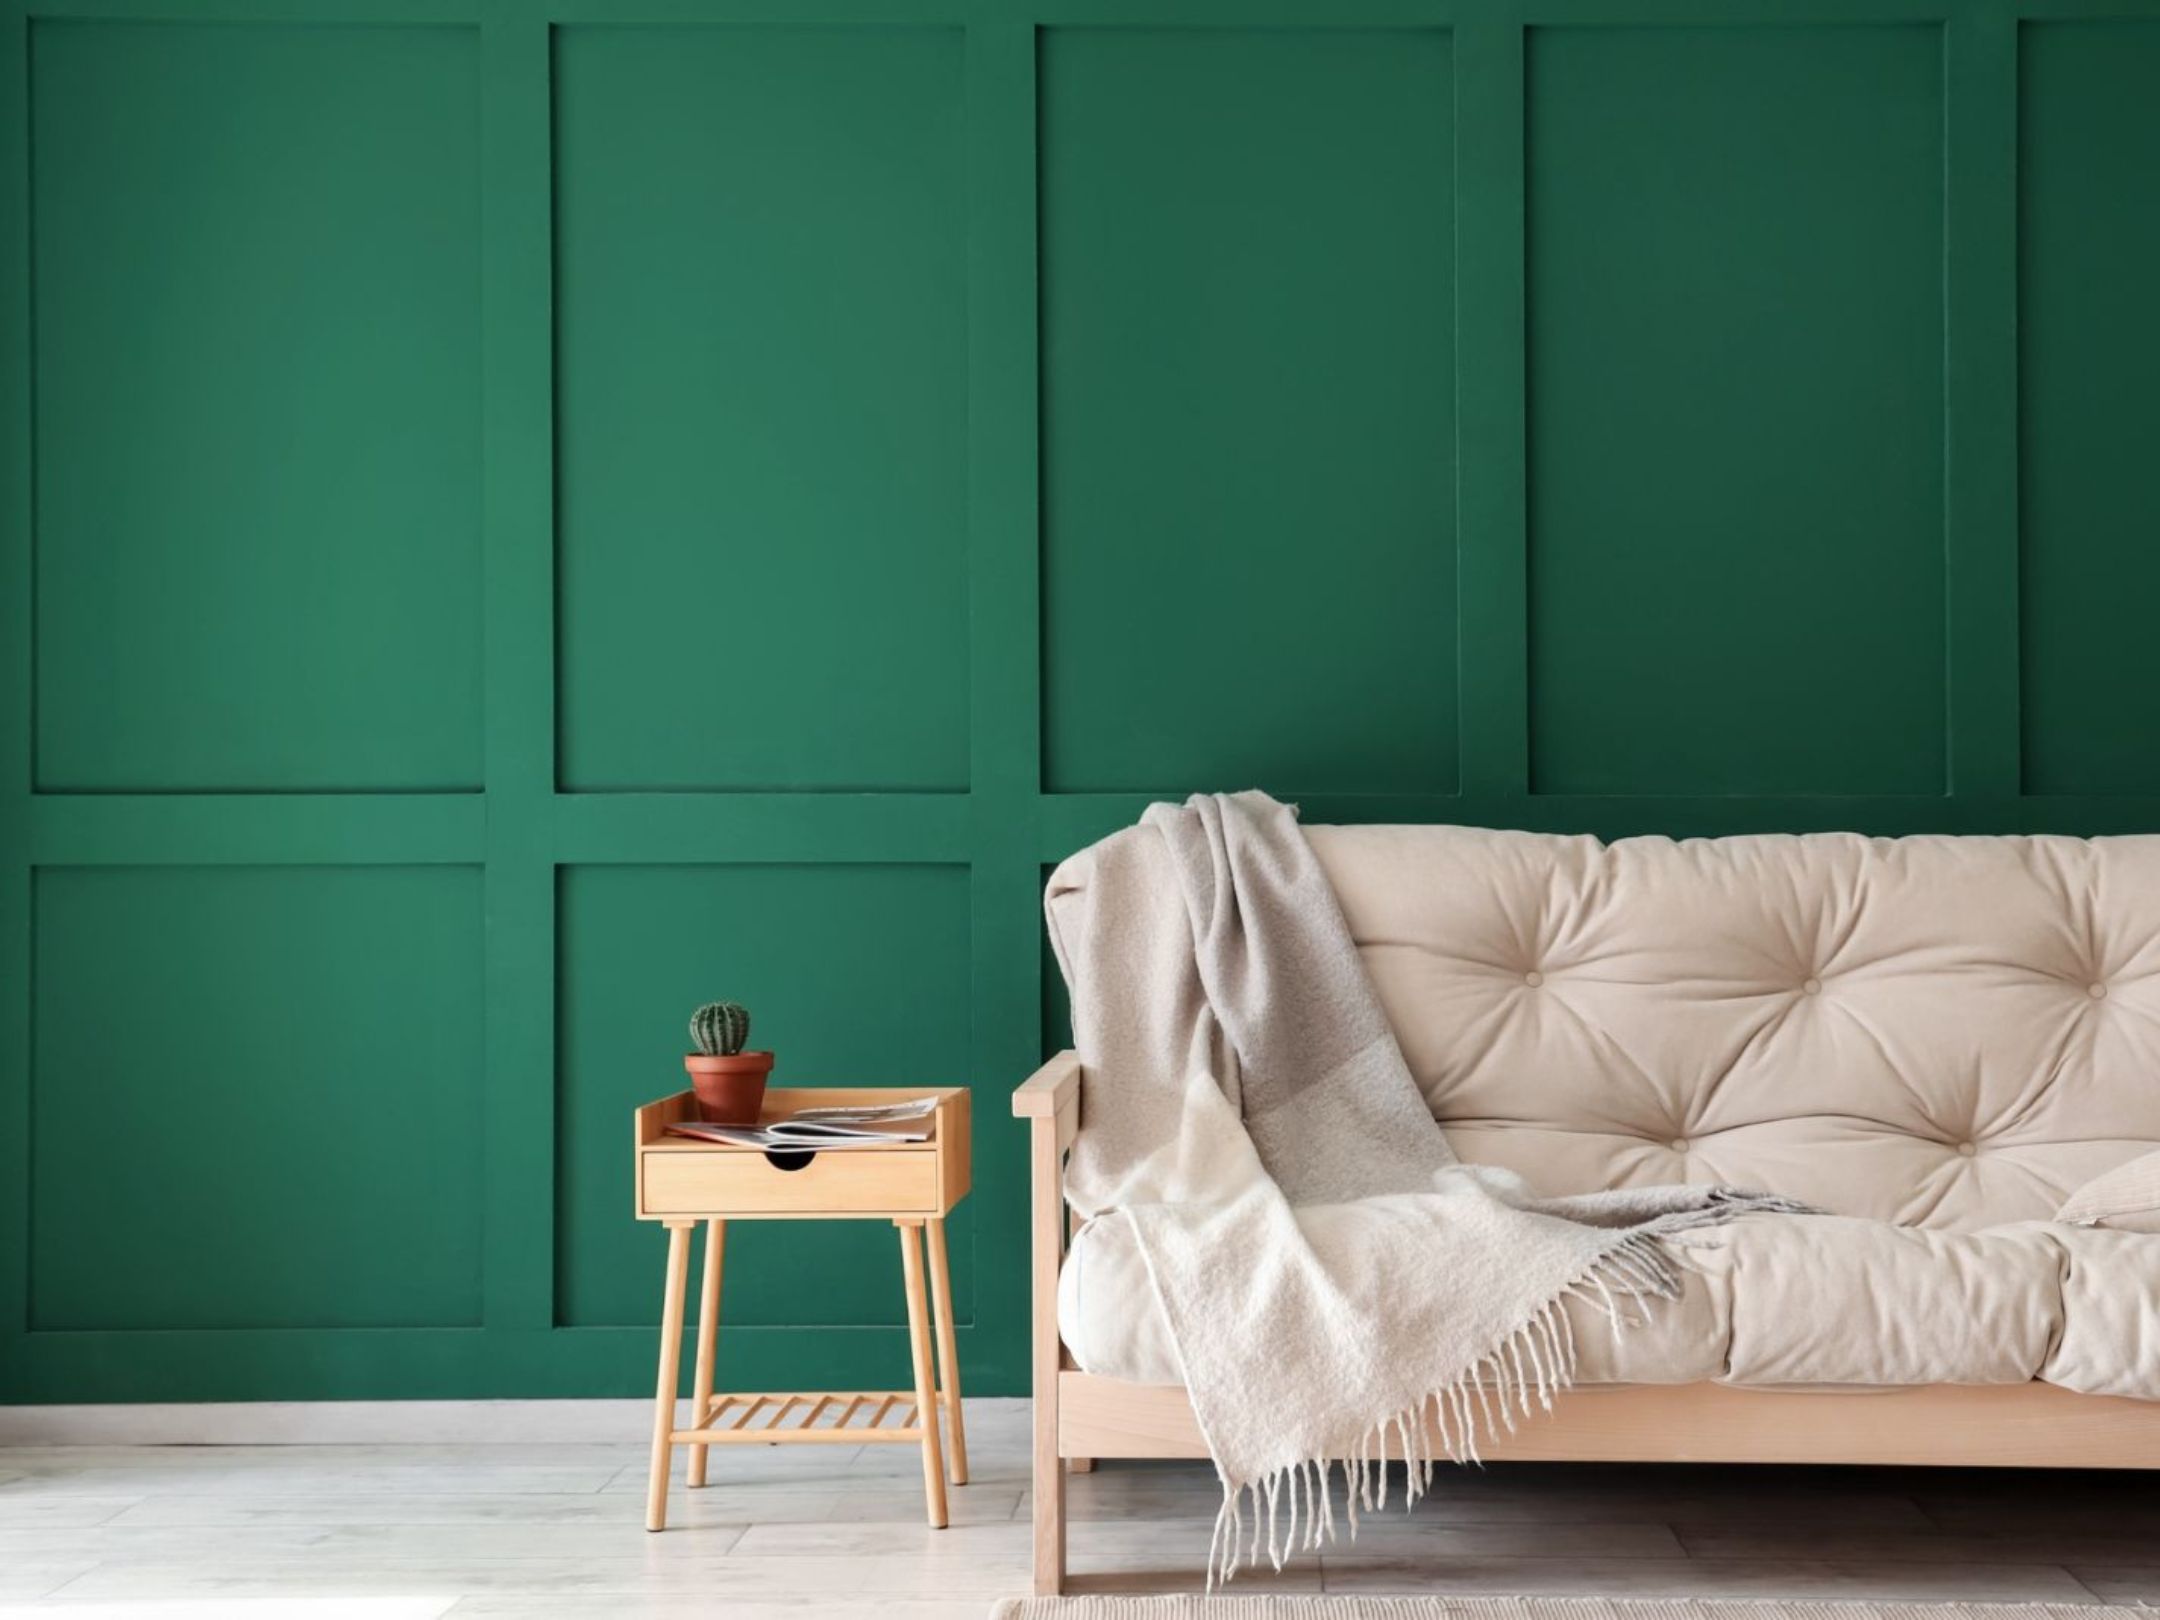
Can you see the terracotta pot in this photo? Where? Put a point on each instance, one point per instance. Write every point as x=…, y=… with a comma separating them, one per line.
x=730, y=1090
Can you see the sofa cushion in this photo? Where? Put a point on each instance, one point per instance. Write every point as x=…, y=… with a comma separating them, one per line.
x=1113, y=1325
x=2126, y=1199
x=1827, y=1300
x=1949, y=1033
x=2110, y=1342
x=1780, y=1302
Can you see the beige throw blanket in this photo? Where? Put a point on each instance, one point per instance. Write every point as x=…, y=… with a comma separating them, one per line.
x=1332, y=1276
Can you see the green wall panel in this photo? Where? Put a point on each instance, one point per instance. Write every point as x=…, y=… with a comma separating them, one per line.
x=2089, y=328
x=257, y=261
x=811, y=472
x=856, y=975
x=256, y=1098
x=1735, y=384
x=1248, y=410
x=762, y=408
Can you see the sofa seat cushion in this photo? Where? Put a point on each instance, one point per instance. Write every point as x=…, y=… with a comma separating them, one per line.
x=1779, y=1302
x=1112, y=1324
x=1828, y=1300
x=2110, y=1342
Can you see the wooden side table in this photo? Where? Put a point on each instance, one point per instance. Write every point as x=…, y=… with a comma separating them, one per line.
x=683, y=1182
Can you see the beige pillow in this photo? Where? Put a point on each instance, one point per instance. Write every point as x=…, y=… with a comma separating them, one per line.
x=2126, y=1199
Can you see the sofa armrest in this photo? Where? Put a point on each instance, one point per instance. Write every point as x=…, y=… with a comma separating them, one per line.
x=1052, y=1092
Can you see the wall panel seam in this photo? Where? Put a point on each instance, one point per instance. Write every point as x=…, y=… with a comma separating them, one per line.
x=17, y=694
x=1005, y=674
x=1491, y=359
x=519, y=586
x=1980, y=431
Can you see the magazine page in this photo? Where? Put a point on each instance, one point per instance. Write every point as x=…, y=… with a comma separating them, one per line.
x=911, y=1120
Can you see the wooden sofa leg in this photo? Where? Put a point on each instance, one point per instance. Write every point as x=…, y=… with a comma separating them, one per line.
x=1049, y=1502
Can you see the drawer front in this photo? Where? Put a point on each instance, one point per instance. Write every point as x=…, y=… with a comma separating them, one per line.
x=833, y=1183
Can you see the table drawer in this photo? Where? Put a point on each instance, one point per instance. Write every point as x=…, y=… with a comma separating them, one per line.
x=832, y=1183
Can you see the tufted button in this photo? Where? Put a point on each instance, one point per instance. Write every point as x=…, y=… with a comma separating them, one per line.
x=1813, y=987
x=1967, y=1149
x=1679, y=1144
x=1533, y=978
x=2096, y=991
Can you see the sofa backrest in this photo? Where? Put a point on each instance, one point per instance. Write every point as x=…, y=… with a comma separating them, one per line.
x=1938, y=1031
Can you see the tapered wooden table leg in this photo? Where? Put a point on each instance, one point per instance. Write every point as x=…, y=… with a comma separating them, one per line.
x=948, y=1354
x=671, y=1315
x=926, y=1417
x=708, y=1335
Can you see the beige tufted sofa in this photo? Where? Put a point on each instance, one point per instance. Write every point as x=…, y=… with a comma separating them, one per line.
x=1935, y=1039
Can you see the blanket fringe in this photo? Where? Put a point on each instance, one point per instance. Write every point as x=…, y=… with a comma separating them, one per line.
x=1293, y=1507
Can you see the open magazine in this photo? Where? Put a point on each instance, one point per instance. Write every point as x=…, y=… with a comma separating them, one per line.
x=910, y=1121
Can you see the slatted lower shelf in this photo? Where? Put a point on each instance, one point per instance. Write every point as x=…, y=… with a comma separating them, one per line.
x=811, y=1418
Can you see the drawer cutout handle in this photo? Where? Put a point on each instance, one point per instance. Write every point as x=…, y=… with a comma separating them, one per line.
x=789, y=1158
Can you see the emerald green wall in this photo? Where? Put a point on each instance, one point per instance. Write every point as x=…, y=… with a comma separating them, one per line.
x=519, y=516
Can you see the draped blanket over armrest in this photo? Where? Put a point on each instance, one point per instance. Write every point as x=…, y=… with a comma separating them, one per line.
x=1336, y=1284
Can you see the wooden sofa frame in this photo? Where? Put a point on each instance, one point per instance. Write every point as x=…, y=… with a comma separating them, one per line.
x=1080, y=1417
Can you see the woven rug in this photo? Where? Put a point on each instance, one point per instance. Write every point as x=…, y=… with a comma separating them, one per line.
x=1442, y=1608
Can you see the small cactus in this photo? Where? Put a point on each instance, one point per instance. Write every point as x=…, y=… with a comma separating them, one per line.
x=720, y=1028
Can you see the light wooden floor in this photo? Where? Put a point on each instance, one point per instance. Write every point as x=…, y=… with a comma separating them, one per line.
x=401, y=1532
